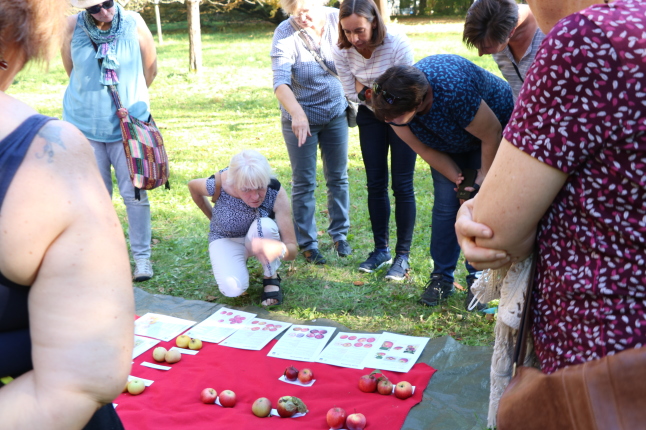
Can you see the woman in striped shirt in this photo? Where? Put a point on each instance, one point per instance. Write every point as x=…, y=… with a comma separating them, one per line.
x=365, y=50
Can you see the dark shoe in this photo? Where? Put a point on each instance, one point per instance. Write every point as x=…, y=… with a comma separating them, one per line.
x=399, y=269
x=437, y=289
x=342, y=248
x=313, y=256
x=479, y=306
x=375, y=260
x=276, y=295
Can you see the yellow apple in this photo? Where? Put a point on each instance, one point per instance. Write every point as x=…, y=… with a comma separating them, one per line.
x=195, y=344
x=173, y=356
x=159, y=353
x=136, y=386
x=182, y=341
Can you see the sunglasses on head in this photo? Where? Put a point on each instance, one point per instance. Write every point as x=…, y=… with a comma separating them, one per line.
x=97, y=7
x=378, y=90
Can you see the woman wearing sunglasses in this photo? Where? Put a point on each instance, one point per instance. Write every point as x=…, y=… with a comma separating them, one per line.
x=127, y=58
x=365, y=50
x=451, y=112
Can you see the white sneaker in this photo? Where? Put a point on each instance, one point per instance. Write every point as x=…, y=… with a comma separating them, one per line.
x=143, y=270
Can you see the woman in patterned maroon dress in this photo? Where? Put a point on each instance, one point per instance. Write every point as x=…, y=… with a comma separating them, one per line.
x=572, y=164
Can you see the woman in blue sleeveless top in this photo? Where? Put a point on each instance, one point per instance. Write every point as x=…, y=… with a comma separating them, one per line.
x=66, y=301
x=128, y=60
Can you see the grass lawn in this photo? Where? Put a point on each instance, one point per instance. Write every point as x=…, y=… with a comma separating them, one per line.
x=206, y=119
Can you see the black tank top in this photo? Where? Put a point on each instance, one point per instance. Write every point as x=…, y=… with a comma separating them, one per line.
x=14, y=317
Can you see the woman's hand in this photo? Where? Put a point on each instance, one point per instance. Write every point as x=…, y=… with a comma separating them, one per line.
x=267, y=250
x=301, y=128
x=467, y=231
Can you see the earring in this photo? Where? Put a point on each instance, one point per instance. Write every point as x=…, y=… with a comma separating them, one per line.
x=3, y=64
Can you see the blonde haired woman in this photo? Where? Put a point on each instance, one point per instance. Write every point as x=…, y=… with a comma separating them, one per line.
x=251, y=217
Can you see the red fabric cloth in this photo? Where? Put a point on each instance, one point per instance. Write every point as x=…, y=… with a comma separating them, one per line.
x=173, y=401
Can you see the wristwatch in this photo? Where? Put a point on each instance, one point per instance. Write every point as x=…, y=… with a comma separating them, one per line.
x=362, y=94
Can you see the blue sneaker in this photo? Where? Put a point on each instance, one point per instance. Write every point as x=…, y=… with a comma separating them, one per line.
x=399, y=270
x=375, y=260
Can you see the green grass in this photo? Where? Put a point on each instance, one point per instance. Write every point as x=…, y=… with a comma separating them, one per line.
x=207, y=118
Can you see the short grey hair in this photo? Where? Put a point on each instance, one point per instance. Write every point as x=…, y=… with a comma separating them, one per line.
x=249, y=169
x=290, y=6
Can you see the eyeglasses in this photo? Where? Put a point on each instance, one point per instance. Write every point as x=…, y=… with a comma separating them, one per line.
x=97, y=7
x=390, y=98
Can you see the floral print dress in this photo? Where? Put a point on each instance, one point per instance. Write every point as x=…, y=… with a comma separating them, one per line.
x=582, y=110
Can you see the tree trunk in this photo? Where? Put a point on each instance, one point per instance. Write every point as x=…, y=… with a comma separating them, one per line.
x=160, y=38
x=421, y=10
x=194, y=36
x=382, y=5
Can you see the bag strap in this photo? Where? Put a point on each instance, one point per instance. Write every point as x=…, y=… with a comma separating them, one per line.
x=310, y=47
x=218, y=187
x=525, y=326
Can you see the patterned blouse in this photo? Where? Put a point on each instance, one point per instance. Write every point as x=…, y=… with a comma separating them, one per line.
x=581, y=111
x=231, y=217
x=459, y=86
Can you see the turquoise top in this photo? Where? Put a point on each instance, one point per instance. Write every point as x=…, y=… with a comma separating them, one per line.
x=87, y=104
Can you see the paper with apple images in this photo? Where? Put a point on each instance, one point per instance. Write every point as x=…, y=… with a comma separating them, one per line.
x=161, y=327
x=222, y=324
x=302, y=342
x=349, y=349
x=256, y=334
x=142, y=344
x=396, y=352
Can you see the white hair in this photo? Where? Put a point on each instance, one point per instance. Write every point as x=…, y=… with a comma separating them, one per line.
x=291, y=6
x=249, y=169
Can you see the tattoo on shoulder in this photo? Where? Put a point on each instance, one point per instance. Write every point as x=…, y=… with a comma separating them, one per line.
x=52, y=136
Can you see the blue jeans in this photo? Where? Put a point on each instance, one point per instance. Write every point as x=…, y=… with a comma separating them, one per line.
x=377, y=138
x=332, y=139
x=445, y=249
x=112, y=154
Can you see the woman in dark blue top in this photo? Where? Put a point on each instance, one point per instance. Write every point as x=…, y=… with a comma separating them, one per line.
x=66, y=300
x=451, y=112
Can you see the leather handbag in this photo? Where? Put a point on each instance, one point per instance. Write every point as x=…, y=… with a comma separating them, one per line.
x=353, y=107
x=603, y=394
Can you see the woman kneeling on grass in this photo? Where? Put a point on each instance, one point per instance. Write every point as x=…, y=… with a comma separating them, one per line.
x=251, y=217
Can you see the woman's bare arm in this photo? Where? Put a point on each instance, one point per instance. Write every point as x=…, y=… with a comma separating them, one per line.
x=81, y=305
x=66, y=54
x=200, y=196
x=148, y=51
x=514, y=197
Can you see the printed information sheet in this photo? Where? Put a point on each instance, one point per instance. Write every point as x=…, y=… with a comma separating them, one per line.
x=142, y=344
x=350, y=349
x=302, y=342
x=222, y=324
x=256, y=334
x=161, y=327
x=396, y=352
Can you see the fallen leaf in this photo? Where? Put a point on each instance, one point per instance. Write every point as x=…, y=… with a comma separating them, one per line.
x=327, y=287
x=357, y=283
x=161, y=289
x=489, y=317
x=320, y=233
x=155, y=241
x=210, y=298
x=325, y=211
x=459, y=287
x=452, y=333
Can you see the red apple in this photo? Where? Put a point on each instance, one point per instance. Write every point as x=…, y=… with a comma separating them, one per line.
x=403, y=390
x=291, y=373
x=368, y=383
x=228, y=398
x=335, y=418
x=261, y=407
x=285, y=407
x=356, y=422
x=208, y=396
x=305, y=376
x=385, y=387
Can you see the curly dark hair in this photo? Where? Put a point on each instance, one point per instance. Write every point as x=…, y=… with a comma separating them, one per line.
x=405, y=86
x=489, y=21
